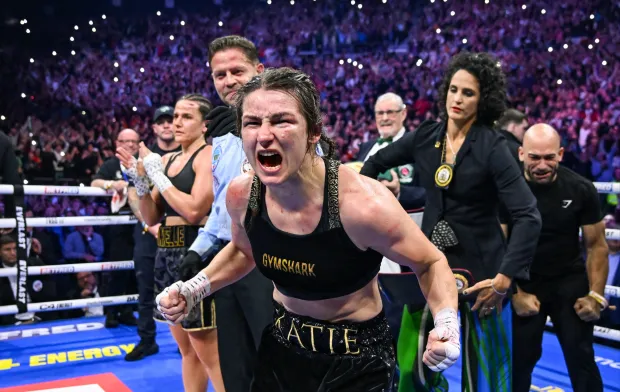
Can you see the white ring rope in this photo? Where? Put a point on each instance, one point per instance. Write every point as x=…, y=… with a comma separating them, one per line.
x=71, y=221
x=45, y=190
x=75, y=268
x=599, y=332
x=607, y=187
x=72, y=304
x=38, y=190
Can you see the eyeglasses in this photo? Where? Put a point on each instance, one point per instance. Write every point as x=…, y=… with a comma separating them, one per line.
x=129, y=141
x=390, y=113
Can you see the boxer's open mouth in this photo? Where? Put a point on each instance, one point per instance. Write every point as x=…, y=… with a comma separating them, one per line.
x=269, y=159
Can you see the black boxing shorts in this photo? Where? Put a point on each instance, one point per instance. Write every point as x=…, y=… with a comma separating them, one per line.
x=299, y=354
x=173, y=242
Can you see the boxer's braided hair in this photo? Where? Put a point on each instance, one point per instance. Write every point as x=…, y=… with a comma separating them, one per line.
x=299, y=86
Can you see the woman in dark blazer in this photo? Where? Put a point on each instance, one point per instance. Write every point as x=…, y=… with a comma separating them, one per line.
x=467, y=170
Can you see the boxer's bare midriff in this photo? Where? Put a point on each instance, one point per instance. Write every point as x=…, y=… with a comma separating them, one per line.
x=180, y=221
x=362, y=305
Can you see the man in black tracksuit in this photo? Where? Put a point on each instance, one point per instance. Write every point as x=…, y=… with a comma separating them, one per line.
x=561, y=285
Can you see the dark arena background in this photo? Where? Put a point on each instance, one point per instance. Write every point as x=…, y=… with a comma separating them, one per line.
x=73, y=74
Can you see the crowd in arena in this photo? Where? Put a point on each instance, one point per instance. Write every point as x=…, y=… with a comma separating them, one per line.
x=561, y=62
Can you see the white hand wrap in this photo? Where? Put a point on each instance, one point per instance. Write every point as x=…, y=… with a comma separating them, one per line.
x=196, y=289
x=177, y=286
x=447, y=329
x=140, y=182
x=155, y=170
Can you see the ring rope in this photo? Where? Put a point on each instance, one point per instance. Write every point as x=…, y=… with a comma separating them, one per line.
x=45, y=190
x=58, y=269
x=72, y=304
x=42, y=190
x=599, y=332
x=70, y=221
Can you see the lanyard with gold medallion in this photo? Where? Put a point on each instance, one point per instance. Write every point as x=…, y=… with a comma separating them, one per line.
x=445, y=171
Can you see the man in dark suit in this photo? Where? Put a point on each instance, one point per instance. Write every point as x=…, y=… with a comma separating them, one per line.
x=9, y=173
x=390, y=115
x=39, y=288
x=513, y=125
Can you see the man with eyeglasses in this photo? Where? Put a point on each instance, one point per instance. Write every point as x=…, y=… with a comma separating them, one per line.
x=390, y=115
x=115, y=283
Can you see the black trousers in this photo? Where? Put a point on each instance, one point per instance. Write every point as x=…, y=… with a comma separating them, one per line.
x=557, y=298
x=244, y=309
x=121, y=248
x=144, y=267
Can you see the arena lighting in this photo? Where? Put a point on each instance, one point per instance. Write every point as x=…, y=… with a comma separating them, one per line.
x=220, y=23
x=27, y=31
x=419, y=62
x=158, y=13
x=349, y=61
x=76, y=27
x=292, y=2
x=182, y=23
x=596, y=41
x=565, y=46
x=499, y=64
x=269, y=2
x=115, y=64
x=359, y=6
x=352, y=2
x=103, y=16
x=25, y=21
x=81, y=184
x=94, y=30
x=543, y=11
x=360, y=66
x=604, y=63
x=452, y=13
x=135, y=109
x=73, y=53
x=34, y=143
x=550, y=49
x=83, y=113
x=523, y=6
x=355, y=63
x=341, y=62
x=62, y=153
x=71, y=39
x=25, y=182
x=32, y=60
x=464, y=40
x=54, y=53
x=2, y=118
x=141, y=69
x=432, y=1
x=486, y=1
x=115, y=79
x=438, y=31
x=207, y=63
x=23, y=95
x=559, y=81
x=590, y=46
x=90, y=22
x=384, y=1
x=172, y=38
x=591, y=16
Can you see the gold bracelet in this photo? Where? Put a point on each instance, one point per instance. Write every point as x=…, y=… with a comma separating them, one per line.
x=599, y=298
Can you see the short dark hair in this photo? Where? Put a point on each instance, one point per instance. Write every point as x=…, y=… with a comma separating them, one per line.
x=510, y=116
x=204, y=105
x=491, y=79
x=234, y=42
x=299, y=86
x=6, y=239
